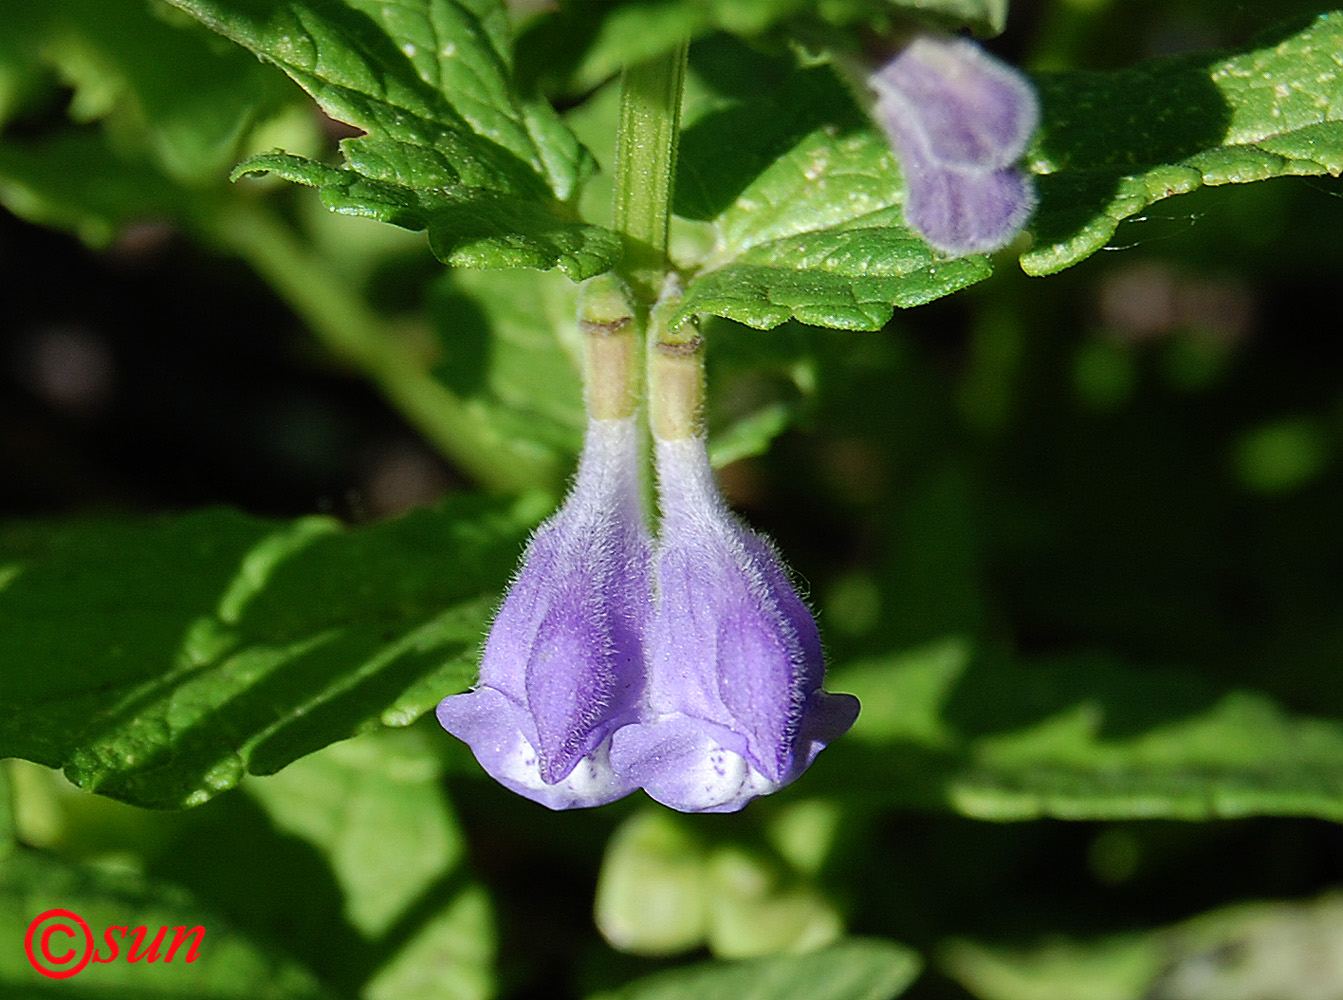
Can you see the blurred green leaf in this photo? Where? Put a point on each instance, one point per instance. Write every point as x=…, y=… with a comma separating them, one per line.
x=653, y=891
x=375, y=807
x=510, y=348
x=227, y=965
x=664, y=890
x=1111, y=144
x=854, y=969
x=756, y=909
x=75, y=181
x=158, y=114
x=22, y=80
x=987, y=17
x=586, y=43
x=165, y=92
x=1077, y=737
x=450, y=956
x=53, y=815
x=759, y=387
x=1288, y=951
x=448, y=145
x=582, y=43
x=163, y=659
x=8, y=813
x=1283, y=455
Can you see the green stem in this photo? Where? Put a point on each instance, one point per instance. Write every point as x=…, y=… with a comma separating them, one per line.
x=650, y=123
x=675, y=372
x=345, y=324
x=610, y=348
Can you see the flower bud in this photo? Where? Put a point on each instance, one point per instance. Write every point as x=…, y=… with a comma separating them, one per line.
x=563, y=667
x=959, y=119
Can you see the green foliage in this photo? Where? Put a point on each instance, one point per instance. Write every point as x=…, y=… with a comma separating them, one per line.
x=170, y=106
x=75, y=182
x=1074, y=544
x=510, y=346
x=805, y=198
x=662, y=891
x=1263, y=949
x=1083, y=738
x=143, y=76
x=580, y=44
x=228, y=964
x=203, y=647
x=854, y=970
x=1113, y=144
x=374, y=809
x=448, y=146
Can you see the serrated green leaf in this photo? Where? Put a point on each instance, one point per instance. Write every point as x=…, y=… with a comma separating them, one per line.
x=1080, y=737
x=850, y=279
x=1259, y=950
x=468, y=227
x=162, y=660
x=855, y=969
x=808, y=221
x=449, y=146
x=227, y=965
x=1112, y=144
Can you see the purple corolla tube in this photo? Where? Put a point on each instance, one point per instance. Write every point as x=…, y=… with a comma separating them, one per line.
x=960, y=120
x=734, y=707
x=563, y=666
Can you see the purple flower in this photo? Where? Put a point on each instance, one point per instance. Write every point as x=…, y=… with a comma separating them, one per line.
x=734, y=707
x=959, y=119
x=563, y=667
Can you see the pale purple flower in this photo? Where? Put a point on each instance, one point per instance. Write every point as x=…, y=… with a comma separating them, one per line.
x=959, y=120
x=563, y=666
x=734, y=707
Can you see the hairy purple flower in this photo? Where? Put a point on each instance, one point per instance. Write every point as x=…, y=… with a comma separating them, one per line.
x=563, y=667
x=959, y=119
x=734, y=707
